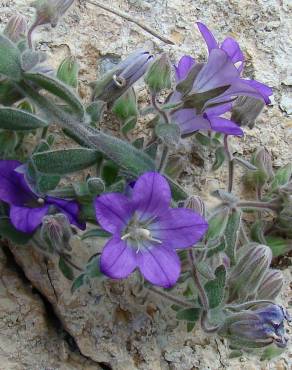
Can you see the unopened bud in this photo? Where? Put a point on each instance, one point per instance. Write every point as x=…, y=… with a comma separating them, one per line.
x=158, y=76
x=125, y=109
x=246, y=110
x=249, y=272
x=196, y=204
x=263, y=161
x=271, y=285
x=117, y=81
x=16, y=28
x=217, y=223
x=56, y=231
x=50, y=11
x=256, y=328
x=95, y=185
x=68, y=71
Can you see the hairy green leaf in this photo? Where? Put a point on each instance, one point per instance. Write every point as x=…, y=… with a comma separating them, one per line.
x=9, y=59
x=19, y=120
x=61, y=162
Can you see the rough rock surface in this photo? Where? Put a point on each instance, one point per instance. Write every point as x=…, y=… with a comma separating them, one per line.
x=113, y=323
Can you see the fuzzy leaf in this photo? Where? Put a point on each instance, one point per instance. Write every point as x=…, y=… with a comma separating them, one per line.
x=282, y=176
x=217, y=224
x=58, y=89
x=168, y=133
x=189, y=314
x=78, y=283
x=9, y=59
x=231, y=234
x=220, y=157
x=19, y=120
x=68, y=71
x=93, y=269
x=61, y=162
x=278, y=245
x=215, y=288
x=66, y=269
x=123, y=154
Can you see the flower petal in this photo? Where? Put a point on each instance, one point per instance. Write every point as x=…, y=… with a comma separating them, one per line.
x=27, y=219
x=263, y=89
x=179, y=228
x=225, y=126
x=118, y=259
x=218, y=71
x=113, y=211
x=183, y=68
x=160, y=265
x=151, y=195
x=70, y=208
x=13, y=188
x=241, y=87
x=189, y=121
x=232, y=48
x=208, y=36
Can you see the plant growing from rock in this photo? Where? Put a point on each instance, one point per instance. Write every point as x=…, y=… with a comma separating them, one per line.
x=131, y=198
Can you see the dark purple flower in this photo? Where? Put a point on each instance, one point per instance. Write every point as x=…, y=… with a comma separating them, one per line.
x=189, y=120
x=146, y=231
x=229, y=45
x=27, y=209
x=219, y=71
x=258, y=327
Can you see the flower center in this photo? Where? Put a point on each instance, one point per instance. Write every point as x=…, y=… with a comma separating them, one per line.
x=137, y=233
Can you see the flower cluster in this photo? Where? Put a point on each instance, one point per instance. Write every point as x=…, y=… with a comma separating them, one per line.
x=223, y=69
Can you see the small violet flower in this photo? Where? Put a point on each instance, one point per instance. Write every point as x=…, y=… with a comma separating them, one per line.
x=219, y=71
x=146, y=231
x=27, y=209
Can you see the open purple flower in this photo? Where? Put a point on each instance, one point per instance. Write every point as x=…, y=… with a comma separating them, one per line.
x=219, y=71
x=27, y=209
x=146, y=231
x=229, y=45
x=209, y=119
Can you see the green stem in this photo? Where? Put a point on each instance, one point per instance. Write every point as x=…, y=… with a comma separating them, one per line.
x=196, y=278
x=230, y=164
x=259, y=205
x=170, y=297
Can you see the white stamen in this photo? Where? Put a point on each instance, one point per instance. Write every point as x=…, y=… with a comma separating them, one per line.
x=41, y=201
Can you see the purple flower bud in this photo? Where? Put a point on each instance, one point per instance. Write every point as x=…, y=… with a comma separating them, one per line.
x=257, y=327
x=263, y=161
x=117, y=81
x=16, y=28
x=56, y=231
x=196, y=204
x=50, y=11
x=271, y=285
x=249, y=271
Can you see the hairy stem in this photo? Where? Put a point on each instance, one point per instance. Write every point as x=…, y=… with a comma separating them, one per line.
x=158, y=108
x=259, y=205
x=204, y=324
x=230, y=164
x=165, y=150
x=128, y=18
x=197, y=281
x=170, y=297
